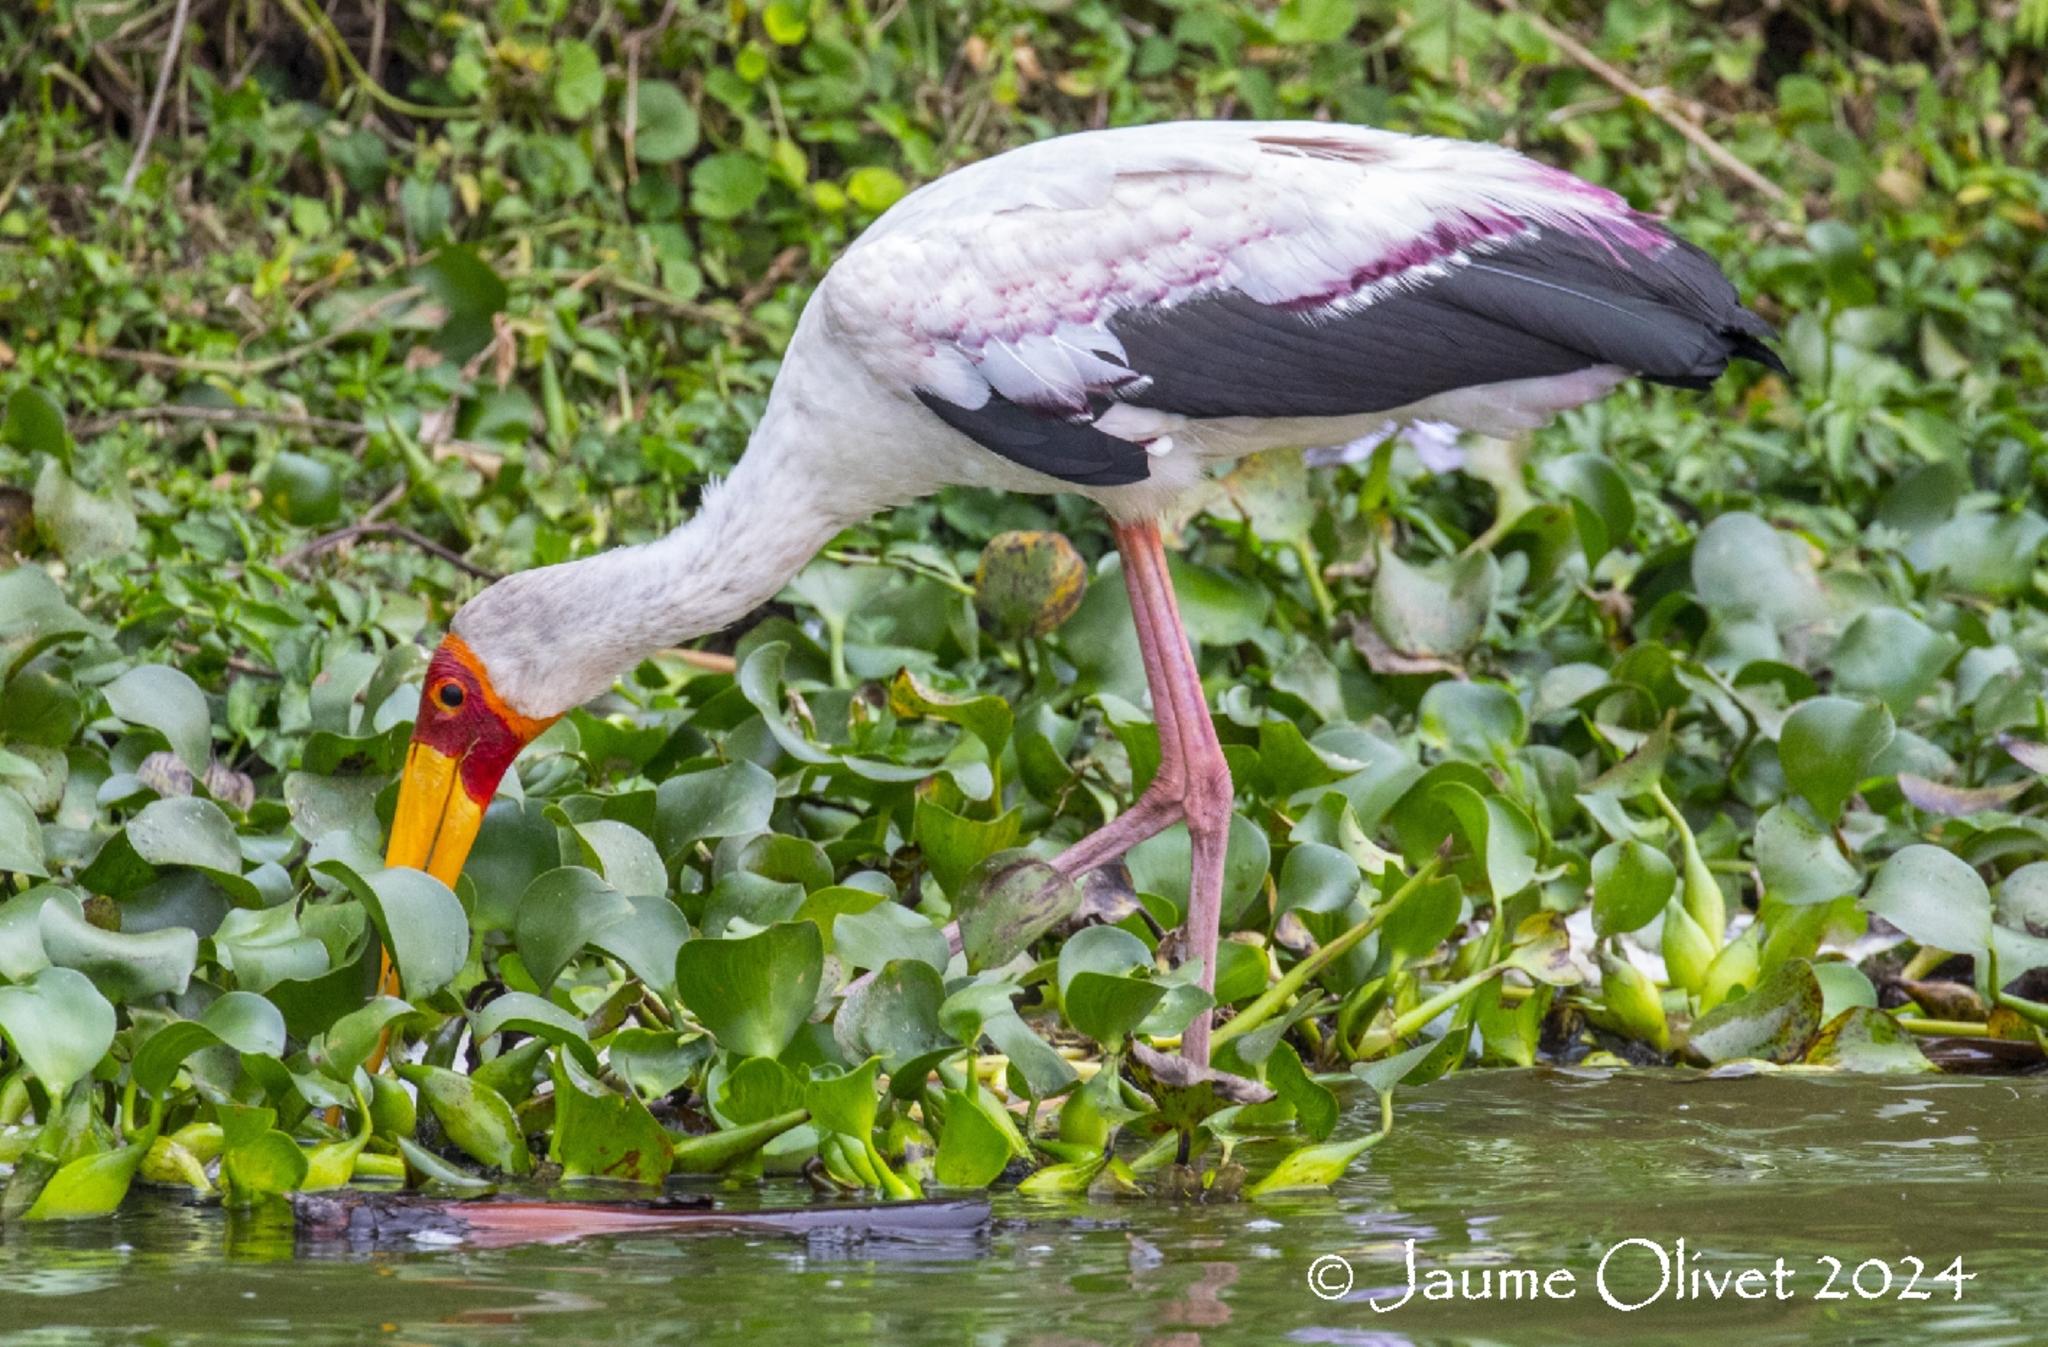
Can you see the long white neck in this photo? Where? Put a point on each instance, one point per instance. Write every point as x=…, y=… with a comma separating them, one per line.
x=555, y=637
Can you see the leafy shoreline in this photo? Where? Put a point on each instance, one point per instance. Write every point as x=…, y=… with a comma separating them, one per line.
x=1605, y=748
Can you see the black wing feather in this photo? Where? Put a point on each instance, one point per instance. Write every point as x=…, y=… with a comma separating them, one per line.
x=1545, y=304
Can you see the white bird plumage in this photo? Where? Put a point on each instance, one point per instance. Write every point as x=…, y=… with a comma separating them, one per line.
x=1117, y=313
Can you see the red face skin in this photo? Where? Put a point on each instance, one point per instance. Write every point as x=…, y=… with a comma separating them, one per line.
x=462, y=717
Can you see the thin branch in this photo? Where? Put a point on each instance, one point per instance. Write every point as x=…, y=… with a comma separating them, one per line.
x=1656, y=103
x=263, y=365
x=164, y=74
x=328, y=541
x=219, y=416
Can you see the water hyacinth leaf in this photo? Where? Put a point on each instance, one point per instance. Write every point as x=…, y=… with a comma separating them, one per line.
x=21, y=837
x=124, y=967
x=729, y=801
x=953, y=845
x=92, y=1185
x=473, y=1116
x=523, y=1012
x=753, y=994
x=435, y=1173
x=715, y=1151
x=623, y=856
x=1842, y=985
x=1315, y=1107
x=1631, y=883
x=1436, y=610
x=666, y=125
x=1028, y=584
x=1036, y=1069
x=603, y=1135
x=35, y=423
x=59, y=1026
x=1776, y=1022
x=240, y=1020
x=579, y=80
x=1106, y=1006
x=1827, y=747
x=1603, y=507
x=1481, y=721
x=656, y=1062
x=1101, y=949
x=1314, y=1167
x=1866, y=1040
x=757, y=1088
x=1629, y=996
x=82, y=525
x=987, y=718
x=1007, y=902
x=845, y=1102
x=350, y=1040
x=1891, y=655
x=420, y=922
x=894, y=1016
x=885, y=932
x=1497, y=831
x=257, y=1161
x=1317, y=878
x=21, y=939
x=1799, y=860
x=760, y=682
x=1935, y=897
x=185, y=831
x=1742, y=566
x=973, y=1150
x=1543, y=949
x=647, y=941
x=562, y=911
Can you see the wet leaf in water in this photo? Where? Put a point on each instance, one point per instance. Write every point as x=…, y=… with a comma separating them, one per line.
x=1867, y=1040
x=1776, y=1022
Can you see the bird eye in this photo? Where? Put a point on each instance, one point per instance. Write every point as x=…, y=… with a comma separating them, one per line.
x=449, y=694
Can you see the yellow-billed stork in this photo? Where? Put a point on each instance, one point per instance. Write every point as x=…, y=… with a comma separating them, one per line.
x=1114, y=313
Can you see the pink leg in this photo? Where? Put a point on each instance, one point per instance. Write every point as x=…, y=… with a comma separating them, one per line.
x=1193, y=780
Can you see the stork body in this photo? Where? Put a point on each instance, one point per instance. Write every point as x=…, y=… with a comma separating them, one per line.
x=1116, y=313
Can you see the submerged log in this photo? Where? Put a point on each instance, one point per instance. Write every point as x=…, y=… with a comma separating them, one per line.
x=372, y=1220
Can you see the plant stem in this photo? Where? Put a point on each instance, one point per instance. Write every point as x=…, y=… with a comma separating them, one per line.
x=1380, y=1040
x=1913, y=1024
x=1281, y=992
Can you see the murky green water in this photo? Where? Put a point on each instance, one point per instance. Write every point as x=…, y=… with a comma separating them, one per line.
x=1492, y=1170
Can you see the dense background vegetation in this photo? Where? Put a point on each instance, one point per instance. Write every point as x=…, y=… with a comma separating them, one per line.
x=1701, y=726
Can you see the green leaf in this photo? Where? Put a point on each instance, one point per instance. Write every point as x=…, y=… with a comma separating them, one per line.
x=81, y=526
x=525, y=1013
x=725, y=186
x=845, y=1102
x=1006, y=903
x=729, y=801
x=886, y=932
x=1892, y=656
x=59, y=1025
x=666, y=125
x=166, y=700
x=472, y=294
x=257, y=1161
x=21, y=837
x=973, y=1149
x=1935, y=897
x=647, y=941
x=1800, y=861
x=1603, y=507
x=579, y=81
x=602, y=1135
x=1313, y=1167
x=92, y=1185
x=1107, y=1006
x=124, y=967
x=1317, y=878
x=1775, y=1022
x=1480, y=721
x=1827, y=747
x=239, y=1020
x=1315, y=1107
x=874, y=188
x=895, y=1016
x=986, y=717
x=753, y=994
x=418, y=919
x=757, y=1088
x=1867, y=1040
x=351, y=1039
x=1631, y=883
x=562, y=911
x=1438, y=610
x=35, y=423
x=472, y=1115
x=954, y=845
